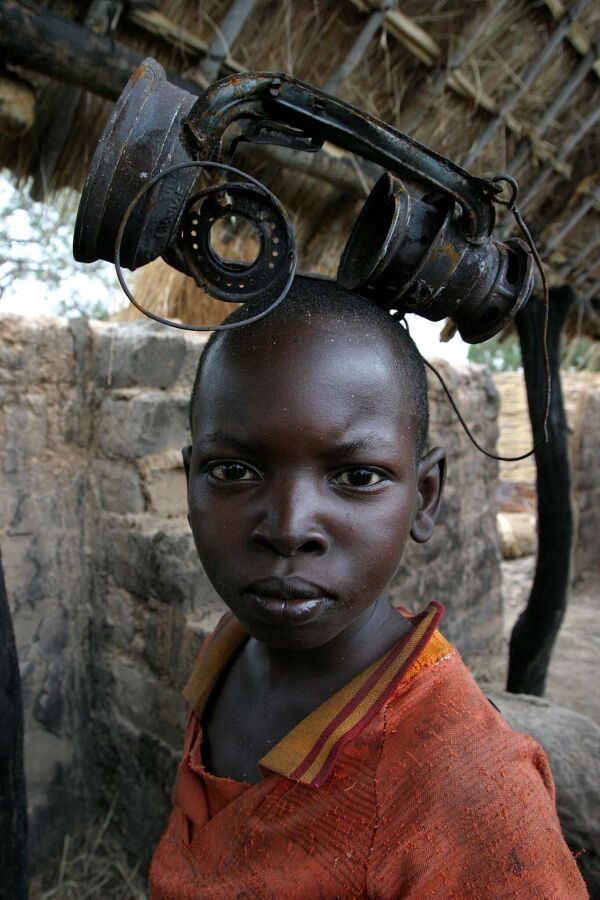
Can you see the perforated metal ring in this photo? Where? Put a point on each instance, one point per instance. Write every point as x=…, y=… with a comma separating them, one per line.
x=291, y=254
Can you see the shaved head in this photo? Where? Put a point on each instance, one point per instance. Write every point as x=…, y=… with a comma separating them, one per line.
x=311, y=304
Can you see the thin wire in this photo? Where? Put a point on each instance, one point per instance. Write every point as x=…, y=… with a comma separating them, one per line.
x=200, y=165
x=468, y=431
x=512, y=206
x=511, y=203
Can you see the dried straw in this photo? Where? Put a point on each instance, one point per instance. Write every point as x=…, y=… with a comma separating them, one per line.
x=310, y=38
x=91, y=866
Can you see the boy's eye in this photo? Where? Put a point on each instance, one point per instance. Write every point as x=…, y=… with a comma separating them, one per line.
x=359, y=477
x=232, y=471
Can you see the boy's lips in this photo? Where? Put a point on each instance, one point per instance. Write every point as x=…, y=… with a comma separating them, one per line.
x=290, y=599
x=291, y=588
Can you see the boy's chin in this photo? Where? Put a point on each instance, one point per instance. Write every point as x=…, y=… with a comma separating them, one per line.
x=305, y=636
x=298, y=639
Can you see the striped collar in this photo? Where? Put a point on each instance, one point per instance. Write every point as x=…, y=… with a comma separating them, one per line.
x=309, y=751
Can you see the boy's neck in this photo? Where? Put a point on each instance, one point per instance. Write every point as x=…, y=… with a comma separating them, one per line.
x=332, y=665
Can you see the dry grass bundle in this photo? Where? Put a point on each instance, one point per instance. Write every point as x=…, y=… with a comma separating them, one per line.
x=310, y=39
x=168, y=293
x=92, y=866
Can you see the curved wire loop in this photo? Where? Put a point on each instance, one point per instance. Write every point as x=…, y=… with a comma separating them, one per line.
x=204, y=164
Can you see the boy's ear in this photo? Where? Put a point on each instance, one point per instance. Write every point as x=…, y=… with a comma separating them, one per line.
x=186, y=455
x=430, y=483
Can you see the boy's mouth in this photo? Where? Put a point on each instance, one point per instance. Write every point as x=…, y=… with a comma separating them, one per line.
x=291, y=599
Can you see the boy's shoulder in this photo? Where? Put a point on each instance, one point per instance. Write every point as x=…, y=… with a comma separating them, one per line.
x=455, y=782
x=442, y=729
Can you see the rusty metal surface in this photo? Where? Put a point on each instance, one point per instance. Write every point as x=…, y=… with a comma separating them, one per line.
x=434, y=256
x=411, y=255
x=142, y=138
x=280, y=97
x=229, y=279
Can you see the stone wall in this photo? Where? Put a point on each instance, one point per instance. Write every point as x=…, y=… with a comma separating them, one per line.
x=586, y=481
x=460, y=565
x=110, y=603
x=44, y=522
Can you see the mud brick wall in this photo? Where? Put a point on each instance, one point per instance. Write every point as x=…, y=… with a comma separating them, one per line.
x=109, y=600
x=581, y=395
x=585, y=474
x=460, y=565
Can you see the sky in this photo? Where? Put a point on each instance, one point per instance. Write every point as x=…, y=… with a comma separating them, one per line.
x=33, y=297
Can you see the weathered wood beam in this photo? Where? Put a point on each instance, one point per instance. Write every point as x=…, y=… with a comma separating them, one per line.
x=34, y=37
x=535, y=67
x=102, y=17
x=39, y=40
x=156, y=23
x=338, y=171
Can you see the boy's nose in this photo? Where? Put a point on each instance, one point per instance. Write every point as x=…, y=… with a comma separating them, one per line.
x=290, y=523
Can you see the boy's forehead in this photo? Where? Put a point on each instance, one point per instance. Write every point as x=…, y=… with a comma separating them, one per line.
x=296, y=352
x=333, y=368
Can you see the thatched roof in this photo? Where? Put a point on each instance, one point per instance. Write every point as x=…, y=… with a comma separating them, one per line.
x=493, y=84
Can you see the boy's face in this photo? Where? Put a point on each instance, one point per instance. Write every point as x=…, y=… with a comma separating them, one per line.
x=303, y=478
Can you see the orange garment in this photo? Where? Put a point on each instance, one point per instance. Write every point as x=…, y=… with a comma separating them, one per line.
x=406, y=783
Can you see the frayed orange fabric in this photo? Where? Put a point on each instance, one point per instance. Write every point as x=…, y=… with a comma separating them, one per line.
x=434, y=797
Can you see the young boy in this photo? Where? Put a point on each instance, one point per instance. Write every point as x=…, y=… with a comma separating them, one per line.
x=335, y=747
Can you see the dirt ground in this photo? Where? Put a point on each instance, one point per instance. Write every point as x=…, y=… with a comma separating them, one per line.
x=574, y=665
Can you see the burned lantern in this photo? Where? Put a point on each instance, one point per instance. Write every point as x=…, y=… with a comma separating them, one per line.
x=432, y=256
x=411, y=255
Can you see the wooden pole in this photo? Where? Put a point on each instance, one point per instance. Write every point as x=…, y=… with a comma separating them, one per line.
x=356, y=52
x=556, y=107
x=582, y=210
x=535, y=632
x=587, y=123
x=526, y=80
x=424, y=99
x=225, y=35
x=34, y=37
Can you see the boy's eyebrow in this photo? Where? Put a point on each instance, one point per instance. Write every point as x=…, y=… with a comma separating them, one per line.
x=222, y=437
x=343, y=447
x=359, y=444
